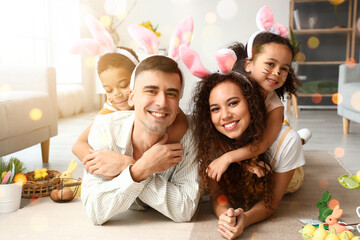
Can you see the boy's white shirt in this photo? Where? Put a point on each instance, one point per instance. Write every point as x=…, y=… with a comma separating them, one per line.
x=174, y=192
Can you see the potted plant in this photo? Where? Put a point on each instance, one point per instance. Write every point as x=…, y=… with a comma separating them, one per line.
x=11, y=181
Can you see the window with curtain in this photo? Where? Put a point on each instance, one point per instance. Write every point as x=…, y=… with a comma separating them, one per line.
x=41, y=32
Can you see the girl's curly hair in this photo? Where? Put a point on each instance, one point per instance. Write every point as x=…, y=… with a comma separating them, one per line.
x=292, y=82
x=236, y=183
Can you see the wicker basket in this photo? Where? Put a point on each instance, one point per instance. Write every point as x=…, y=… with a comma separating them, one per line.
x=34, y=188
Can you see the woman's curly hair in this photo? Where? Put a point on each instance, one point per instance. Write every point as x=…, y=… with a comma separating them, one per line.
x=237, y=183
x=292, y=82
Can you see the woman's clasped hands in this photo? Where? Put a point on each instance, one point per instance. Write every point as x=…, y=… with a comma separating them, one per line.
x=231, y=223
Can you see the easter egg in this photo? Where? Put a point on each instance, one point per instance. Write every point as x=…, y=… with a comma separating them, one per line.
x=308, y=228
x=65, y=194
x=54, y=195
x=349, y=234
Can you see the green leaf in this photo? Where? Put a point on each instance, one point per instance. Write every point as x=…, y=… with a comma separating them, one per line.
x=349, y=181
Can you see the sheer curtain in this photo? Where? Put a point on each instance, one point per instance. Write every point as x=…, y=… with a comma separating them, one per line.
x=41, y=32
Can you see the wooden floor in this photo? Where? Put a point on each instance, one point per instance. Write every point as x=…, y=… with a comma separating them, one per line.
x=325, y=125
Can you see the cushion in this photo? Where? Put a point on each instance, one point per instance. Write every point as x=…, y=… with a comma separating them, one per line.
x=15, y=109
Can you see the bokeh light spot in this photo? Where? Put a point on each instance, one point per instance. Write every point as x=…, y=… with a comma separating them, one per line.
x=357, y=178
x=350, y=62
x=187, y=37
x=226, y=9
x=333, y=203
x=222, y=200
x=210, y=17
x=5, y=87
x=355, y=101
x=90, y=62
x=105, y=21
x=324, y=182
x=313, y=42
x=35, y=114
x=339, y=152
x=175, y=41
x=336, y=2
x=316, y=98
x=335, y=98
x=34, y=200
x=300, y=57
x=340, y=98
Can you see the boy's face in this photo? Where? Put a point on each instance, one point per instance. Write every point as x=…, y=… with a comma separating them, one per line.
x=116, y=84
x=156, y=99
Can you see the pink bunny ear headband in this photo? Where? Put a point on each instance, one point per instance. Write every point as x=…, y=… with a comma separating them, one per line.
x=225, y=60
x=149, y=42
x=101, y=43
x=265, y=22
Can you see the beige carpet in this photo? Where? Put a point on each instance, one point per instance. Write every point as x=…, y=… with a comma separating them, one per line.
x=44, y=219
x=321, y=173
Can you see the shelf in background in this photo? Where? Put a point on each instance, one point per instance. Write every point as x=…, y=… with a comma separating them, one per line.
x=322, y=30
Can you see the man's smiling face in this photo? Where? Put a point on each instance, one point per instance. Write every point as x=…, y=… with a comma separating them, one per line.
x=156, y=99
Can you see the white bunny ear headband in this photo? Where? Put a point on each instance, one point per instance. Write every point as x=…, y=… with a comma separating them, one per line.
x=149, y=42
x=265, y=22
x=101, y=43
x=225, y=60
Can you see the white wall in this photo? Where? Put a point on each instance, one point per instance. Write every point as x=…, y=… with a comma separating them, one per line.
x=207, y=38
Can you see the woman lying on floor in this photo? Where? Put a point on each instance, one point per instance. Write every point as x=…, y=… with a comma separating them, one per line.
x=229, y=112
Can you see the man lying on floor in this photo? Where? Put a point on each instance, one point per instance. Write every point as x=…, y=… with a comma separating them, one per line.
x=163, y=176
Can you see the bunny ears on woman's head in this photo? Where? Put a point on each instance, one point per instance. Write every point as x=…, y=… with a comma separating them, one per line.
x=225, y=60
x=101, y=43
x=265, y=22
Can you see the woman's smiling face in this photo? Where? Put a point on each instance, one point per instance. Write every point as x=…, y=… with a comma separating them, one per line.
x=229, y=109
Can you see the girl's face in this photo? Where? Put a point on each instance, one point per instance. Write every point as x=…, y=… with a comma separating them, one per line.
x=229, y=109
x=116, y=84
x=270, y=67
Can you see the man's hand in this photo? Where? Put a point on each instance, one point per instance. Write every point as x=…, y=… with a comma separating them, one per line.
x=107, y=163
x=232, y=231
x=158, y=158
x=217, y=167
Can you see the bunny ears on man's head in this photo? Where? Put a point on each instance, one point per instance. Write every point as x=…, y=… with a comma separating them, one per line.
x=265, y=23
x=101, y=43
x=149, y=41
x=225, y=60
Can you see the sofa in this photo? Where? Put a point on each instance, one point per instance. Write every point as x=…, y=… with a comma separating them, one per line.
x=28, y=108
x=349, y=92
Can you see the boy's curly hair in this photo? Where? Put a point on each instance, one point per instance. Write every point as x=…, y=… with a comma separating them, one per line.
x=236, y=183
x=291, y=84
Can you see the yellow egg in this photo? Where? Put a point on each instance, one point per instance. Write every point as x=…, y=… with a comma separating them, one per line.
x=65, y=194
x=350, y=235
x=308, y=228
x=320, y=233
